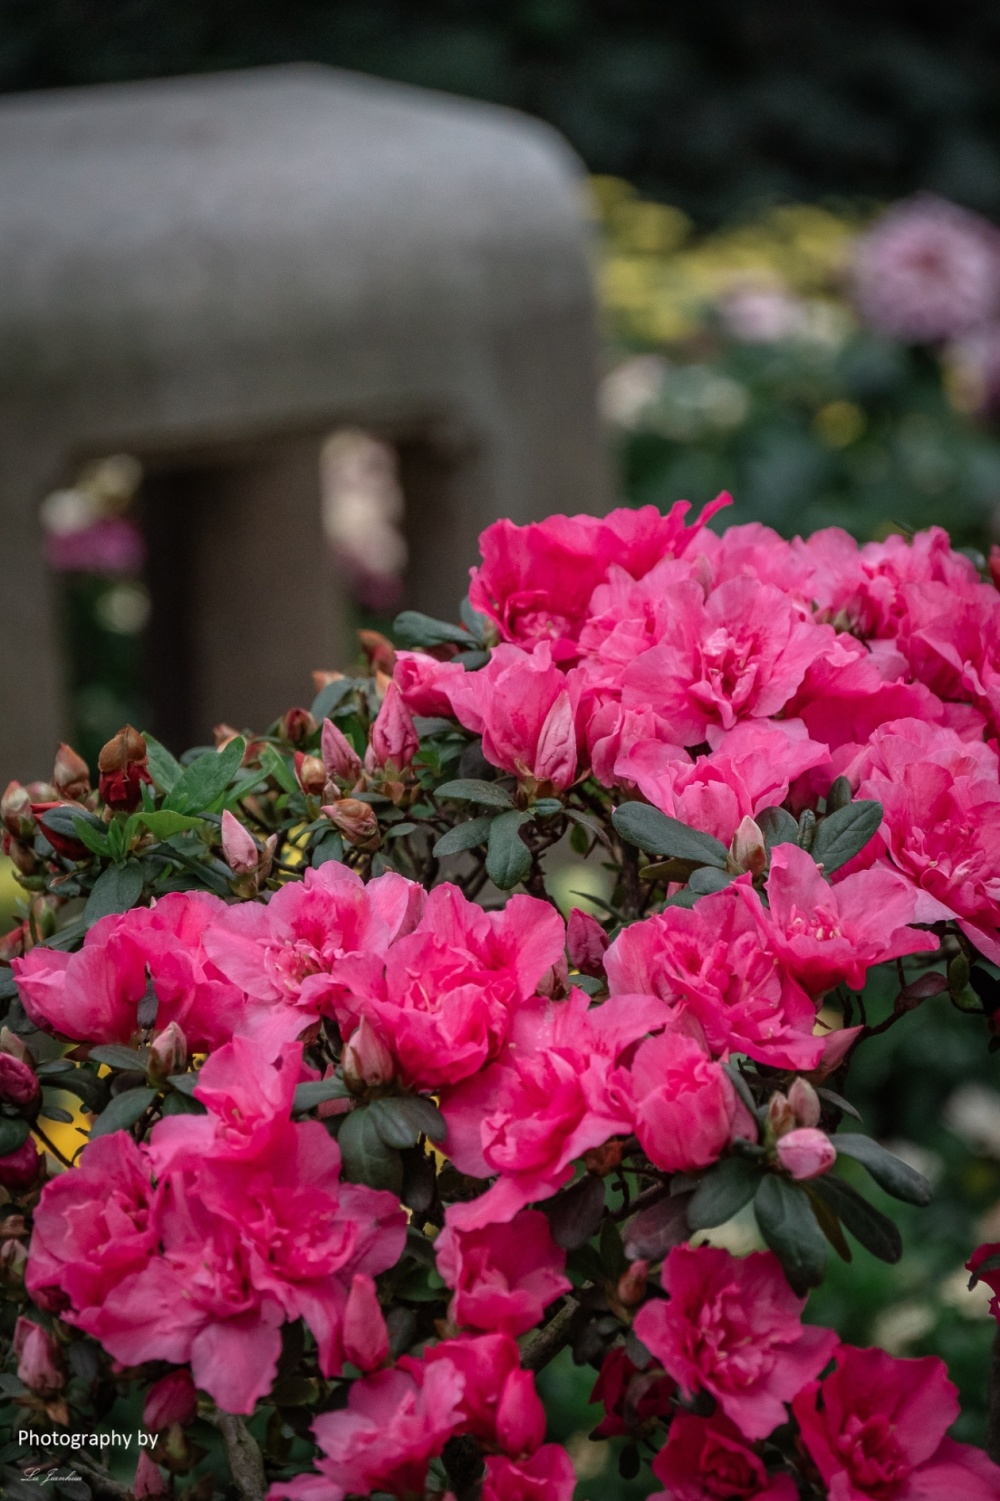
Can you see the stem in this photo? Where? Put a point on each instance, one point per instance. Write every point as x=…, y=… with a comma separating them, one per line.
x=543, y=1345
x=246, y=1464
x=633, y=887
x=993, y=1404
x=50, y=1145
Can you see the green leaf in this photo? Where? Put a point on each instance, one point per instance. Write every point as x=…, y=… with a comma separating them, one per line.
x=400, y=830
x=841, y=835
x=792, y=1231
x=584, y=821
x=13, y=1134
x=873, y=1229
x=829, y=1223
x=119, y=1057
x=95, y=839
x=475, y=623
x=508, y=858
x=184, y=1083
x=471, y=790
x=165, y=770
x=366, y=1158
x=162, y=825
x=402, y=1121
x=329, y=697
x=464, y=836
x=546, y=807
x=116, y=889
x=777, y=826
x=275, y=765
x=741, y=1087
x=206, y=779
x=415, y=629
x=82, y=1082
x=612, y=1249
x=123, y=1111
x=317, y=1092
x=708, y=879
x=723, y=1192
x=182, y=1104
x=576, y=1212
x=839, y=795
x=330, y=847
x=654, y=832
x=66, y=818
x=890, y=1172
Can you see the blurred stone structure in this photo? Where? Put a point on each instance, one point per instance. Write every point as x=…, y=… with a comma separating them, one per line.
x=212, y=274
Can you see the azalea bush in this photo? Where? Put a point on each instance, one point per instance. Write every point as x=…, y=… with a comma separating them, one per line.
x=325, y=1131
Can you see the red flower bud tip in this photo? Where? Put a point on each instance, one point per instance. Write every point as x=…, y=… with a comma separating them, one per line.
x=149, y=1478
x=15, y=944
x=632, y=1284
x=172, y=1399
x=122, y=768
x=805, y=1103
x=341, y=760
x=18, y=1085
x=168, y=1053
x=366, y=1061
x=380, y=652
x=805, y=1153
x=355, y=820
x=297, y=726
x=38, y=1356
x=311, y=773
x=20, y=1170
x=71, y=774
x=238, y=846
x=520, y=1420
x=748, y=851
x=393, y=736
x=322, y=679
x=586, y=943
x=366, y=1340
x=15, y=811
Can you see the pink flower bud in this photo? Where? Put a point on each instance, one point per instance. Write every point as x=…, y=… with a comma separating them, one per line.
x=805, y=1102
x=12, y=1044
x=341, y=760
x=38, y=1356
x=355, y=820
x=556, y=753
x=380, y=652
x=806, y=1153
x=520, y=1421
x=71, y=774
x=149, y=1478
x=18, y=1085
x=586, y=942
x=748, y=851
x=393, y=737
x=311, y=773
x=366, y=1061
x=168, y=1053
x=632, y=1284
x=172, y=1399
x=15, y=811
x=238, y=846
x=366, y=1341
x=297, y=726
x=780, y=1115
x=19, y=1170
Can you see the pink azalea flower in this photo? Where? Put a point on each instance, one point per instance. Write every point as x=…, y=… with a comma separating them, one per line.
x=732, y=1327
x=709, y=1459
x=713, y=962
x=990, y=1277
x=525, y=710
x=547, y=1476
x=877, y=1426
x=94, y=994
x=393, y=737
x=499, y=1404
x=850, y=691
x=826, y=934
x=687, y=1111
x=953, y=644
x=503, y=1276
x=423, y=682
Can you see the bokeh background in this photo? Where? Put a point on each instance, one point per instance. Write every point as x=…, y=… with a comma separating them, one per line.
x=760, y=335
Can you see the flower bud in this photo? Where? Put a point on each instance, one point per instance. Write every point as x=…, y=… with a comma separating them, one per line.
x=21, y=856
x=20, y=1170
x=13, y=1260
x=632, y=1284
x=311, y=773
x=18, y=1085
x=556, y=750
x=12, y=1044
x=366, y=1061
x=15, y=944
x=38, y=1356
x=168, y=1053
x=806, y=1153
x=341, y=760
x=748, y=851
x=71, y=774
x=366, y=1340
x=520, y=1419
x=805, y=1103
x=149, y=1478
x=122, y=768
x=297, y=726
x=393, y=736
x=238, y=846
x=355, y=820
x=172, y=1399
x=380, y=652
x=15, y=812
x=586, y=942
x=780, y=1115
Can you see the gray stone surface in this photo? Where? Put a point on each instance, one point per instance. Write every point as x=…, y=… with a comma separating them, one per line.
x=192, y=266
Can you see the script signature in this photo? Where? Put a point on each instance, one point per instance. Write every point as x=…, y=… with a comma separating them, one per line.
x=42, y=1476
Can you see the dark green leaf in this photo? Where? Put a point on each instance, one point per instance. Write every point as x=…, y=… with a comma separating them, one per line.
x=330, y=847
x=777, y=826
x=82, y=1082
x=399, y=830
x=508, y=858
x=56, y=1113
x=584, y=821
x=654, y=1231
x=685, y=898
x=184, y=1083
x=841, y=835
x=792, y=1232
x=654, y=832
x=182, y=1104
x=402, y=1121
x=837, y=1100
x=576, y=1212
x=206, y=779
x=742, y=1087
x=13, y=1134
x=275, y=765
x=839, y=795
x=471, y=790
x=116, y=889
x=317, y=1092
x=829, y=1223
x=475, y=623
x=163, y=768
x=723, y=1192
x=123, y=1111
x=329, y=697
x=116, y=1056
x=366, y=1158
x=875, y=1231
x=95, y=839
x=65, y=818
x=415, y=629
x=708, y=879
x=612, y=1249
x=988, y=1264
x=464, y=836
x=472, y=660
x=890, y=1172
x=163, y=825
x=546, y=807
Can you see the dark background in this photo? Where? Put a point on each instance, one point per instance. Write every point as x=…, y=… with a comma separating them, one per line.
x=717, y=106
